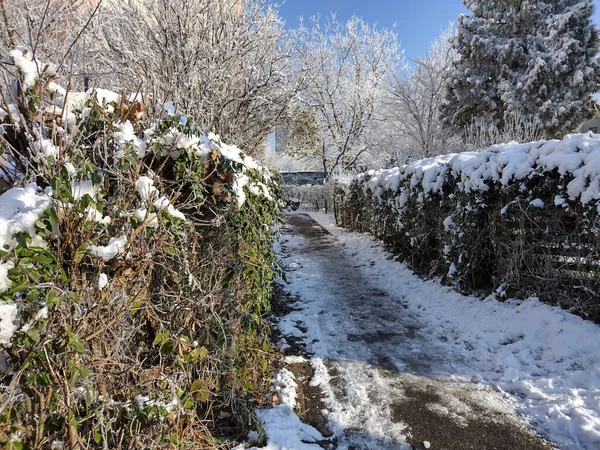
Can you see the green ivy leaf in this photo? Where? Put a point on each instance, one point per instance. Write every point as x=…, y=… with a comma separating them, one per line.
x=167, y=347
x=43, y=259
x=34, y=334
x=75, y=342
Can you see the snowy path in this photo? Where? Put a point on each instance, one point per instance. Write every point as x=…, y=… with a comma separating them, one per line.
x=396, y=371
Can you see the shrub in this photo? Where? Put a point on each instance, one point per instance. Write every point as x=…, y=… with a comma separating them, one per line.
x=519, y=218
x=136, y=272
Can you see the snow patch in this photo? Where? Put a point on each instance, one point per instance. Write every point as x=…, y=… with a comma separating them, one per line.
x=102, y=281
x=115, y=246
x=20, y=208
x=283, y=428
x=5, y=282
x=8, y=320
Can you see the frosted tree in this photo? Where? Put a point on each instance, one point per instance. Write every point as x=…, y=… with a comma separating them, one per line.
x=347, y=65
x=52, y=30
x=536, y=59
x=417, y=95
x=302, y=129
x=227, y=63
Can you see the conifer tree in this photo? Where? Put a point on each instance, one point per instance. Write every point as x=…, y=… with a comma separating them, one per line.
x=532, y=58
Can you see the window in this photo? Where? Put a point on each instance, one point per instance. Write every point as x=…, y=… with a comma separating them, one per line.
x=593, y=130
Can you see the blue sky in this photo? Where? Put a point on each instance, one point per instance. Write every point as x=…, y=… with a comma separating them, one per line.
x=418, y=21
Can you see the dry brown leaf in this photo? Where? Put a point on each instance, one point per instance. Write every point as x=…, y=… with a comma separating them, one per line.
x=215, y=155
x=218, y=188
x=136, y=111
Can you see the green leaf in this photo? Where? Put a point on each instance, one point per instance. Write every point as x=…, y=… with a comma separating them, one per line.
x=167, y=347
x=161, y=338
x=43, y=259
x=78, y=346
x=75, y=342
x=33, y=295
x=18, y=288
x=197, y=385
x=200, y=390
x=33, y=274
x=98, y=436
x=34, y=334
x=80, y=253
x=170, y=250
x=14, y=272
x=202, y=351
x=74, y=378
x=21, y=239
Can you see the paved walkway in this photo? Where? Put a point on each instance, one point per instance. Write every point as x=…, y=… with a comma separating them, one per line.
x=386, y=383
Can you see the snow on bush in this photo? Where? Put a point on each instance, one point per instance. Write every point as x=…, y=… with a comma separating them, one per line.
x=146, y=244
x=524, y=216
x=576, y=158
x=535, y=59
x=20, y=208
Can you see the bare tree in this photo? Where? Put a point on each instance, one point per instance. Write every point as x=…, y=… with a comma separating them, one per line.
x=417, y=96
x=481, y=133
x=53, y=30
x=348, y=65
x=227, y=63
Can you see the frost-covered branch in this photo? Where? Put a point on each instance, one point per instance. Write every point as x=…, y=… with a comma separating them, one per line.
x=417, y=96
x=227, y=65
x=348, y=66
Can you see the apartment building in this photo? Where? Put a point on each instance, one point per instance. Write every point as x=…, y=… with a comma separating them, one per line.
x=592, y=125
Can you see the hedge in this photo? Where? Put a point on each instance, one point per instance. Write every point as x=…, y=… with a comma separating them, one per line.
x=135, y=274
x=518, y=219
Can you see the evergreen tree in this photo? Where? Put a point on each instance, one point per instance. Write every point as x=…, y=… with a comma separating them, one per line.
x=532, y=58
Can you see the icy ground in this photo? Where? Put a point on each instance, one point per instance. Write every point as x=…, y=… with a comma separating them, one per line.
x=402, y=360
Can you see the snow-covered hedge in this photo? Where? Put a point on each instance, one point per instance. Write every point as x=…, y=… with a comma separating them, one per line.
x=519, y=218
x=135, y=271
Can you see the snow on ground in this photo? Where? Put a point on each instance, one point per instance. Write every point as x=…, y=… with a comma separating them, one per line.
x=384, y=377
x=282, y=426
x=544, y=357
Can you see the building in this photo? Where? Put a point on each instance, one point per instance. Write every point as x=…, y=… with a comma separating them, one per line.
x=592, y=125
